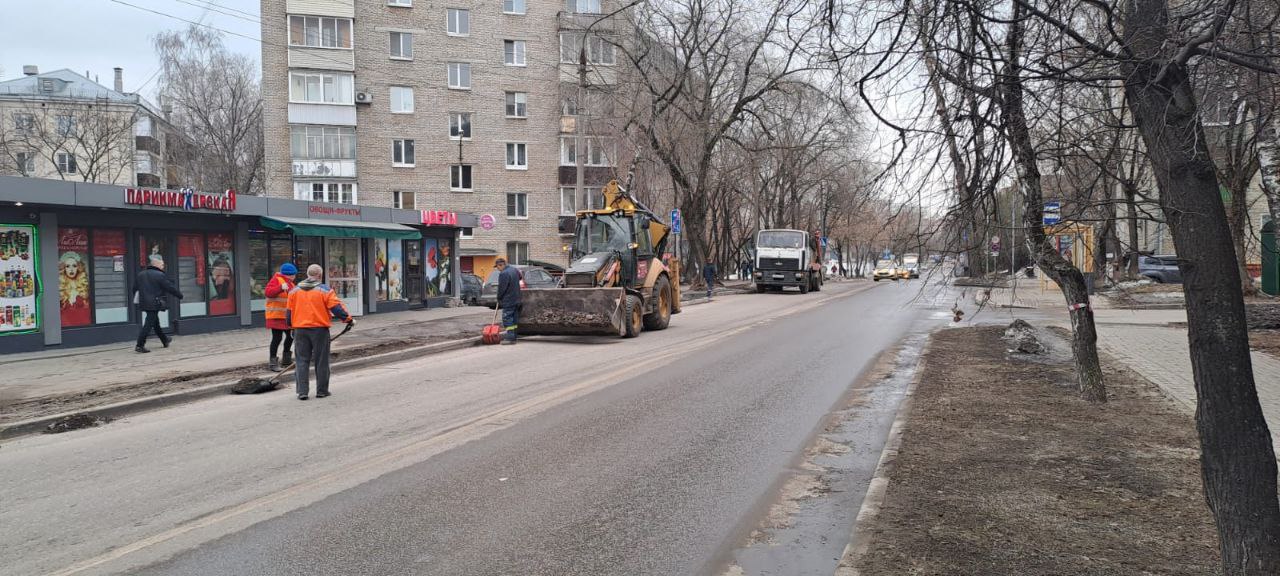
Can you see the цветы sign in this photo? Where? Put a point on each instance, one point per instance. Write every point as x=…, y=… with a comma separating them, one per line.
x=185, y=199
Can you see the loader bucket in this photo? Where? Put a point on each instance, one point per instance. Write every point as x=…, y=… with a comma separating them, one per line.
x=572, y=311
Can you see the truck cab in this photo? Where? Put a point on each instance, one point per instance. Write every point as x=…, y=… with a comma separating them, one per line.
x=787, y=258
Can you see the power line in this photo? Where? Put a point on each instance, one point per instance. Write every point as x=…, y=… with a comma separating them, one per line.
x=211, y=3
x=210, y=6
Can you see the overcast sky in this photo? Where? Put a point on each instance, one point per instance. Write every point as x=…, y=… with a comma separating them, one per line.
x=98, y=35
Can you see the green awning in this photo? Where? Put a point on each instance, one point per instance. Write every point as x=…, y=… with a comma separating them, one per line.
x=341, y=228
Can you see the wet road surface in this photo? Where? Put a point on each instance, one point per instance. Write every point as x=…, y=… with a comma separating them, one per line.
x=557, y=456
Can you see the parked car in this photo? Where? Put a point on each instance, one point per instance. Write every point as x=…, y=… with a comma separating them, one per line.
x=1160, y=268
x=471, y=287
x=533, y=278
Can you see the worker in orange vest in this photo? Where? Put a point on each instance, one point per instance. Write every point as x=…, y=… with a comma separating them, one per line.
x=277, y=293
x=311, y=307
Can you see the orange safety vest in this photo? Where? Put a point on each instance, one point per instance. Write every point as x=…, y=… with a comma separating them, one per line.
x=278, y=305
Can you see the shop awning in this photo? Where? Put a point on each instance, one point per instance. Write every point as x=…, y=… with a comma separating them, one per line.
x=477, y=252
x=341, y=228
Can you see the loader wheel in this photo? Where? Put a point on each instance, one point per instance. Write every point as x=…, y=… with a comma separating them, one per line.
x=661, y=315
x=634, y=317
x=760, y=288
x=804, y=287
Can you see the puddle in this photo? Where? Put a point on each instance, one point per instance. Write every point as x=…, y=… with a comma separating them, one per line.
x=807, y=528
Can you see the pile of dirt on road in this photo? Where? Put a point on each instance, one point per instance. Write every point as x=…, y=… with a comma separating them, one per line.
x=1004, y=470
x=1267, y=341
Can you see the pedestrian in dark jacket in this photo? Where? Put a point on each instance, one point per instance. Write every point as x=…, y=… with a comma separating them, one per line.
x=150, y=289
x=508, y=299
x=709, y=275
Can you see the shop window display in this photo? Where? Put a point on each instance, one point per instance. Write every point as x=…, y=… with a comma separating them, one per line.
x=19, y=283
x=192, y=268
x=75, y=303
x=110, y=298
x=221, y=271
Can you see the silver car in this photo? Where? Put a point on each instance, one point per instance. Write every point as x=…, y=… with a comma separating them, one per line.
x=1161, y=269
x=532, y=278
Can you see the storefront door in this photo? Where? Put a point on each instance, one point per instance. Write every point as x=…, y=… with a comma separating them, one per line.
x=414, y=276
x=343, y=264
x=161, y=243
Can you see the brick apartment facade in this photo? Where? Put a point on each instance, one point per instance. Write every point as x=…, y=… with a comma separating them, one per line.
x=360, y=105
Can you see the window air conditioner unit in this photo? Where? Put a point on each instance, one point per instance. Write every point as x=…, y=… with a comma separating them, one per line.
x=364, y=98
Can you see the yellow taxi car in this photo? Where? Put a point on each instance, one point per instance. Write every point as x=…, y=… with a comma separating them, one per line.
x=886, y=270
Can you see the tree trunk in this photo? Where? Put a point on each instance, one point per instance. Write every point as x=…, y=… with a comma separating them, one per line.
x=1237, y=459
x=1269, y=164
x=1238, y=221
x=1131, y=215
x=1084, y=335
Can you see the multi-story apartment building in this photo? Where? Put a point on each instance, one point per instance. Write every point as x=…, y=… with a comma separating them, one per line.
x=464, y=106
x=63, y=125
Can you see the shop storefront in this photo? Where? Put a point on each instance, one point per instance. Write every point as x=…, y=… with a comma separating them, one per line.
x=69, y=253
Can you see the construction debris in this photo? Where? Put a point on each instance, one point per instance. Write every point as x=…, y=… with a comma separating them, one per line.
x=1022, y=338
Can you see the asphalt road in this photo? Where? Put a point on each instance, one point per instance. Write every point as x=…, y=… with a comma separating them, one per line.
x=556, y=456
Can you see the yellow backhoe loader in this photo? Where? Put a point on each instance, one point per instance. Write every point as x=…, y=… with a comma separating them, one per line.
x=618, y=281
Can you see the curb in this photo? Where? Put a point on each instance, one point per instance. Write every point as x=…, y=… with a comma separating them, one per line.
x=879, y=484
x=130, y=407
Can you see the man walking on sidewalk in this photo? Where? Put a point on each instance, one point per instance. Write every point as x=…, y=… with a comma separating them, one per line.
x=508, y=299
x=309, y=310
x=709, y=275
x=150, y=289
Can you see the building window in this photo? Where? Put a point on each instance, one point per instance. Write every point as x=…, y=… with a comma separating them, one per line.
x=321, y=88
x=460, y=75
x=322, y=142
x=404, y=199
x=459, y=125
x=571, y=201
x=513, y=6
x=332, y=192
x=24, y=123
x=402, y=153
x=459, y=22
x=513, y=52
x=518, y=252
x=26, y=162
x=318, y=32
x=517, y=104
x=582, y=6
x=460, y=177
x=66, y=124
x=599, y=50
x=466, y=234
x=401, y=100
x=517, y=157
x=401, y=46
x=66, y=162
x=518, y=205
x=405, y=3
x=597, y=152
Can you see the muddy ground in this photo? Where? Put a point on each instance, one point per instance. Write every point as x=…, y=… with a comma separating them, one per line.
x=1265, y=341
x=1003, y=470
x=371, y=342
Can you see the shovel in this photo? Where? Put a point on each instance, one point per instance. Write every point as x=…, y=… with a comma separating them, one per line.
x=260, y=385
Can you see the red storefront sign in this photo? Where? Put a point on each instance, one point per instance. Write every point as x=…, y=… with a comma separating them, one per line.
x=186, y=199
x=439, y=218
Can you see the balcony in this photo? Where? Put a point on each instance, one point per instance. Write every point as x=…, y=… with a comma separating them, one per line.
x=343, y=168
x=597, y=22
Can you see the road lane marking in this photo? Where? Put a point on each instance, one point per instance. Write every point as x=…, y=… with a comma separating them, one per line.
x=440, y=441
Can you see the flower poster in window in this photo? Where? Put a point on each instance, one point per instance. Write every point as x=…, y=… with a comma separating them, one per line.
x=74, y=300
x=433, y=266
x=222, y=291
x=395, y=273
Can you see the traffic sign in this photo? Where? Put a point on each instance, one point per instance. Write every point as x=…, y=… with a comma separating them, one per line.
x=675, y=220
x=1052, y=213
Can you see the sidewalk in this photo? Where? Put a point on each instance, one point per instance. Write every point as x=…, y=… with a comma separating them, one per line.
x=1146, y=342
x=89, y=370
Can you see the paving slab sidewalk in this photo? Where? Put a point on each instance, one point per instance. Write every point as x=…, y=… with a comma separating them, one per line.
x=1153, y=343
x=57, y=372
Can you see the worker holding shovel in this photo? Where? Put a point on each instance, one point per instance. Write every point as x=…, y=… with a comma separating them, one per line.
x=311, y=307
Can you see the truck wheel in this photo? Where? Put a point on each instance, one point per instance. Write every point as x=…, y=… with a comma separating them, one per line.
x=661, y=315
x=804, y=287
x=760, y=288
x=634, y=316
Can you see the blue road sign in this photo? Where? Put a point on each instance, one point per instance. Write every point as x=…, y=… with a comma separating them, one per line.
x=675, y=220
x=1052, y=213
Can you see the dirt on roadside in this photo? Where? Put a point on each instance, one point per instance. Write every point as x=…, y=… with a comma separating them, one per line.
x=1267, y=341
x=1004, y=470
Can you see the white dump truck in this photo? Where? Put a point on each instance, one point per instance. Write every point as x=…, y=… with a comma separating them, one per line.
x=788, y=258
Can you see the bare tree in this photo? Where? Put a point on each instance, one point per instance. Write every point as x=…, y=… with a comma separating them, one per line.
x=217, y=107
